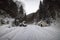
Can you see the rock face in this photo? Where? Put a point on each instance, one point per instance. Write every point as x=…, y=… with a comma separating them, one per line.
x=31, y=17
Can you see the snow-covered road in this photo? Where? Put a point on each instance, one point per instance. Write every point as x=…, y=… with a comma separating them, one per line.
x=31, y=32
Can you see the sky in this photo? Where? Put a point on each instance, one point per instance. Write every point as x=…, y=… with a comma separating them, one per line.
x=30, y=6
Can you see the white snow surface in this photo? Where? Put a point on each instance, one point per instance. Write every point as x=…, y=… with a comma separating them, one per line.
x=31, y=32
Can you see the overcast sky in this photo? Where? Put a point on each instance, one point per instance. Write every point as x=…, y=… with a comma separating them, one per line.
x=30, y=6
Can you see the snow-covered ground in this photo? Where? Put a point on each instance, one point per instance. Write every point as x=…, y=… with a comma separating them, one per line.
x=31, y=32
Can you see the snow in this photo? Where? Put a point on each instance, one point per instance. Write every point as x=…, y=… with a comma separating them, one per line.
x=31, y=32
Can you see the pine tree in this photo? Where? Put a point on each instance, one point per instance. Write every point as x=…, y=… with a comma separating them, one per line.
x=41, y=10
x=21, y=14
x=21, y=10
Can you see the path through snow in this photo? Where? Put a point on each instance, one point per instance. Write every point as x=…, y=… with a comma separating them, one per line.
x=31, y=32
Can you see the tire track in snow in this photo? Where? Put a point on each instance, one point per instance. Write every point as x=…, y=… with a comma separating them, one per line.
x=10, y=34
x=7, y=31
x=51, y=34
x=22, y=30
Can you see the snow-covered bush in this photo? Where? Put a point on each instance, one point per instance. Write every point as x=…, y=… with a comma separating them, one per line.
x=42, y=23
